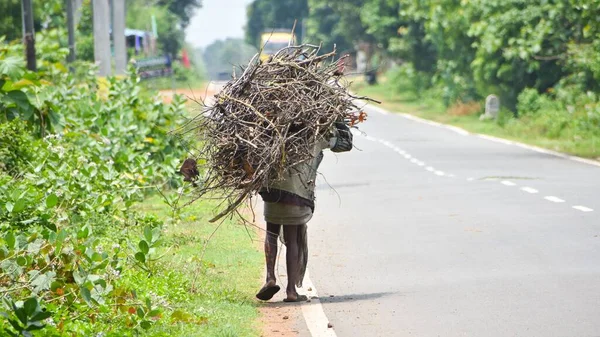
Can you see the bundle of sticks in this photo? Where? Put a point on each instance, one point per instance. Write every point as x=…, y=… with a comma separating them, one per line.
x=268, y=120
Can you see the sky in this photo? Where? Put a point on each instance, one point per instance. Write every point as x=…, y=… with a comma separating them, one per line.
x=217, y=19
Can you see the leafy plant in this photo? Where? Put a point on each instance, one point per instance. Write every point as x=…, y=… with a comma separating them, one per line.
x=77, y=154
x=25, y=317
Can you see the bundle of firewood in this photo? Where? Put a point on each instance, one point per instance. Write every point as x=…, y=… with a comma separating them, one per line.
x=268, y=120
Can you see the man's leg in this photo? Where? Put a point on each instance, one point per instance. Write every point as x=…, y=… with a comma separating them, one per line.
x=270, y=288
x=290, y=234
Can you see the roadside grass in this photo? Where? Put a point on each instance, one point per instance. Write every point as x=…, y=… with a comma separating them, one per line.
x=526, y=130
x=213, y=296
x=168, y=83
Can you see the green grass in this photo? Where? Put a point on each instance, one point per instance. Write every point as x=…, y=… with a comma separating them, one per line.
x=166, y=83
x=525, y=130
x=215, y=295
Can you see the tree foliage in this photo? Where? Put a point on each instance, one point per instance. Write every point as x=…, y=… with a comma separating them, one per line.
x=183, y=9
x=46, y=13
x=222, y=55
x=473, y=48
x=11, y=22
x=263, y=15
x=76, y=154
x=172, y=16
x=336, y=23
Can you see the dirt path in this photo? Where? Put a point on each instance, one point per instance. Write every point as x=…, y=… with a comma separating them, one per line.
x=280, y=319
x=277, y=317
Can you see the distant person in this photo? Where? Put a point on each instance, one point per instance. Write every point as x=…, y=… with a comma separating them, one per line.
x=371, y=73
x=289, y=204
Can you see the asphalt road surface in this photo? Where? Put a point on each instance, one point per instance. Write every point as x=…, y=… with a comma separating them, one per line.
x=429, y=231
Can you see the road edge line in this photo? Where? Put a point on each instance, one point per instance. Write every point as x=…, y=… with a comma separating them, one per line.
x=464, y=132
x=314, y=315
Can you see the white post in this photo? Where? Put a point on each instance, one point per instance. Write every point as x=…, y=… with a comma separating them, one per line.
x=102, y=36
x=119, y=36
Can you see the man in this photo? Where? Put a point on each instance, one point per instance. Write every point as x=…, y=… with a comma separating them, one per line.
x=289, y=204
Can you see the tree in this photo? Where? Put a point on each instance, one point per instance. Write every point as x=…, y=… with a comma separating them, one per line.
x=522, y=44
x=11, y=25
x=337, y=22
x=222, y=55
x=322, y=27
x=263, y=15
x=184, y=9
x=170, y=24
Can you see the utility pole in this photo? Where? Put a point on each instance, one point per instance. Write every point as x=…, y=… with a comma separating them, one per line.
x=71, y=30
x=118, y=33
x=101, y=23
x=28, y=34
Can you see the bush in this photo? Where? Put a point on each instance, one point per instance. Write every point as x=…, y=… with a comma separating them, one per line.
x=17, y=147
x=75, y=158
x=406, y=79
x=529, y=102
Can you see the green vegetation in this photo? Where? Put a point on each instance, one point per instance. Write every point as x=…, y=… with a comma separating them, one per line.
x=222, y=284
x=542, y=58
x=182, y=78
x=11, y=24
x=86, y=246
x=334, y=23
x=172, y=17
x=543, y=130
x=222, y=55
x=273, y=14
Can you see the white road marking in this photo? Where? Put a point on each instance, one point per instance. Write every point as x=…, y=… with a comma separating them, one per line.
x=470, y=179
x=553, y=199
x=496, y=139
x=540, y=150
x=493, y=139
x=456, y=129
x=507, y=183
x=378, y=109
x=583, y=208
x=410, y=157
x=313, y=313
x=529, y=190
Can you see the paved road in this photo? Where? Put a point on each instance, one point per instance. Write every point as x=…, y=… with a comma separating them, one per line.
x=431, y=232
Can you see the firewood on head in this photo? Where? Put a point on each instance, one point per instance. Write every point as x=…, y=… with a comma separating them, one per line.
x=268, y=120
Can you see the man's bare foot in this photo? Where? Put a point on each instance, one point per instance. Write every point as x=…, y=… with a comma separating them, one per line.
x=268, y=291
x=295, y=298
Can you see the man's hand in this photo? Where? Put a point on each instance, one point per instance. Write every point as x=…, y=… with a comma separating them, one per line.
x=343, y=140
x=189, y=170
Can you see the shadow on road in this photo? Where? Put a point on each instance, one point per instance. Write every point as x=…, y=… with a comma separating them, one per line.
x=353, y=297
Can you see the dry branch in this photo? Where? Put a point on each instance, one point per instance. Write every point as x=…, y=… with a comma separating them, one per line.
x=268, y=120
